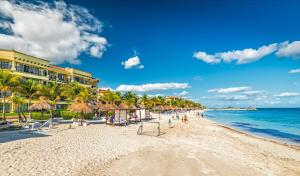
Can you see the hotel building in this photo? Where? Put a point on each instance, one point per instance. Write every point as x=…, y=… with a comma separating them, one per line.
x=30, y=67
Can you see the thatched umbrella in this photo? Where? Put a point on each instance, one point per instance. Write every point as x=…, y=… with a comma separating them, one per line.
x=106, y=108
x=41, y=105
x=122, y=107
x=80, y=107
x=132, y=107
x=159, y=108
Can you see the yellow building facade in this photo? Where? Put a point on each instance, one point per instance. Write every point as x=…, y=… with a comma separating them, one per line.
x=30, y=67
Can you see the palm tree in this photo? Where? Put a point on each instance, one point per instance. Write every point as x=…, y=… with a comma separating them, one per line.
x=110, y=97
x=130, y=98
x=8, y=82
x=82, y=104
x=144, y=100
x=29, y=88
x=71, y=90
x=52, y=93
x=18, y=101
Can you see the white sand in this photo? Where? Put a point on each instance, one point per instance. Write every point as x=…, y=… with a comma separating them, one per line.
x=200, y=147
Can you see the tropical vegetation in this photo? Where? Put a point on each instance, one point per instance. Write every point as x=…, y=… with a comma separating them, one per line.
x=83, y=101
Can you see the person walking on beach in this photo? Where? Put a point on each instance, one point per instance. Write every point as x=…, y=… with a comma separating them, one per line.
x=185, y=118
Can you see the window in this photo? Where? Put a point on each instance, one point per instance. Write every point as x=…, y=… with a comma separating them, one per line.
x=80, y=80
x=5, y=65
x=62, y=77
x=28, y=69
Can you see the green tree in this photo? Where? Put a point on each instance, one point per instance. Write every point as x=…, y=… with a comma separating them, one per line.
x=8, y=82
x=52, y=92
x=130, y=98
x=18, y=101
x=110, y=97
x=71, y=90
x=29, y=88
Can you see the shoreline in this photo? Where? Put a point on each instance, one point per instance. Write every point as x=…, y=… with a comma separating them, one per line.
x=247, y=133
x=200, y=147
x=287, y=144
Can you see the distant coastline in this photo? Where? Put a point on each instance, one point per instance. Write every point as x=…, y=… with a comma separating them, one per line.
x=233, y=109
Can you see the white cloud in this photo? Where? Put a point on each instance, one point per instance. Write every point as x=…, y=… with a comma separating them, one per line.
x=273, y=102
x=287, y=49
x=295, y=71
x=54, y=31
x=253, y=92
x=247, y=55
x=183, y=93
x=211, y=59
x=229, y=90
x=240, y=56
x=133, y=62
x=235, y=98
x=152, y=87
x=288, y=94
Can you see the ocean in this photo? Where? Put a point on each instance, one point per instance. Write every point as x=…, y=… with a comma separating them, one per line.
x=277, y=123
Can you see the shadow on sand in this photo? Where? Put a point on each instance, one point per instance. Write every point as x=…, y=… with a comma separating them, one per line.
x=271, y=132
x=18, y=135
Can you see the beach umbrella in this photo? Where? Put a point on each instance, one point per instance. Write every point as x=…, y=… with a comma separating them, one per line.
x=80, y=107
x=110, y=106
x=106, y=107
x=159, y=108
x=132, y=107
x=123, y=106
x=41, y=104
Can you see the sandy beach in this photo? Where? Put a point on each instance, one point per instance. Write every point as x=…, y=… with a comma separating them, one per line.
x=200, y=147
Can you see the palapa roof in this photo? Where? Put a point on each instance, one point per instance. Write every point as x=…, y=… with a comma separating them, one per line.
x=80, y=107
x=123, y=106
x=41, y=104
x=106, y=107
x=132, y=107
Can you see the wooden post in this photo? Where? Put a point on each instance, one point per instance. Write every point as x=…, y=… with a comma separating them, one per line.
x=158, y=129
x=119, y=117
x=106, y=118
x=140, y=115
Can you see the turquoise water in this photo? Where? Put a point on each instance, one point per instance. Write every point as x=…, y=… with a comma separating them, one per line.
x=280, y=123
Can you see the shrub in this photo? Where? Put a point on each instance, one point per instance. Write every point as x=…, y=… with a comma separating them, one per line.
x=38, y=116
x=68, y=115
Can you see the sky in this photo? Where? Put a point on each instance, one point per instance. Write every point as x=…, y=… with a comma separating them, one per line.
x=219, y=53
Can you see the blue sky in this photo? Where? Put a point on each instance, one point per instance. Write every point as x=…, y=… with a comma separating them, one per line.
x=160, y=42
